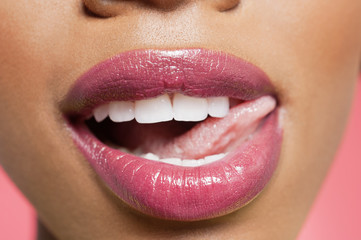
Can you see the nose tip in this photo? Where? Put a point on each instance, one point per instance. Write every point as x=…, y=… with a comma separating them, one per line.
x=110, y=8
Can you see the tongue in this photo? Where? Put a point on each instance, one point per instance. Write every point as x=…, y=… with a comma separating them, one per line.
x=215, y=135
x=187, y=140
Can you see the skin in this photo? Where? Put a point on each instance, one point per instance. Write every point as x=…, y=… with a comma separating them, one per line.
x=311, y=50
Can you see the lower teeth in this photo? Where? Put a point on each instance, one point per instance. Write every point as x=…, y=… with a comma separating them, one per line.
x=178, y=161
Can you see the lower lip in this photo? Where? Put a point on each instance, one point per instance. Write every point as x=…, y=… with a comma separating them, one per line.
x=187, y=193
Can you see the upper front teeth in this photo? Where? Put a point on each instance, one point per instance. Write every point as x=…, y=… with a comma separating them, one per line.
x=162, y=108
x=187, y=108
x=157, y=109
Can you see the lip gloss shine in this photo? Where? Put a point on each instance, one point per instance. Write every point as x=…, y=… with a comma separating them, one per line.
x=164, y=190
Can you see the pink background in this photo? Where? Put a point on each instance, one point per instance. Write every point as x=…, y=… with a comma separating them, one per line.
x=336, y=213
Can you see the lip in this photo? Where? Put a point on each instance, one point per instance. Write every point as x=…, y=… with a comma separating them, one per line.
x=160, y=189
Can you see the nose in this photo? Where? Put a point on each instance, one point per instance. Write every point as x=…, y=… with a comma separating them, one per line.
x=111, y=8
x=166, y=4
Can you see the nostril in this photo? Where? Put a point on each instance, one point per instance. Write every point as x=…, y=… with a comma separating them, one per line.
x=102, y=8
x=167, y=4
x=225, y=5
x=111, y=8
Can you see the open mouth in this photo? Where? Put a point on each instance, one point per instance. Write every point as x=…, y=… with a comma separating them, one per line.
x=177, y=130
x=193, y=135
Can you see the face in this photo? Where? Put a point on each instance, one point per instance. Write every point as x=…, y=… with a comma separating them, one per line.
x=309, y=50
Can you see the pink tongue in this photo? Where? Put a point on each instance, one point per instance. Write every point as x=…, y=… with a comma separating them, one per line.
x=215, y=135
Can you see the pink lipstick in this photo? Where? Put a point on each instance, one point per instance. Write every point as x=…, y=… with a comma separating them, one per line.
x=173, y=169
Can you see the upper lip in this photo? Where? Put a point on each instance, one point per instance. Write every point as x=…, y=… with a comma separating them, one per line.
x=142, y=74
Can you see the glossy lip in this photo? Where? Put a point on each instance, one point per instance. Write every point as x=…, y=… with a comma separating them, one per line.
x=163, y=190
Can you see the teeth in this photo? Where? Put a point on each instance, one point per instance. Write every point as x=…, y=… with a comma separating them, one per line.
x=121, y=111
x=161, y=109
x=101, y=113
x=174, y=161
x=189, y=108
x=158, y=109
x=218, y=106
x=190, y=163
x=150, y=156
x=183, y=162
